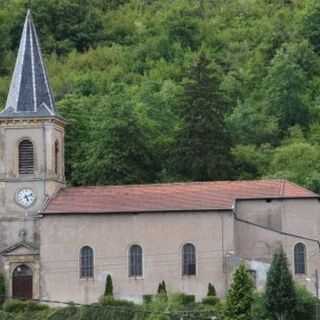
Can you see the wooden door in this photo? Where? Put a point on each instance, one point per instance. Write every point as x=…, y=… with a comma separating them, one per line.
x=22, y=283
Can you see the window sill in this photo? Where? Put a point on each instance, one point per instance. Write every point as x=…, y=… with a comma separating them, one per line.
x=300, y=275
x=136, y=278
x=86, y=279
x=187, y=276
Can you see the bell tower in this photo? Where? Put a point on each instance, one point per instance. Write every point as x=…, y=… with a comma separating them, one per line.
x=31, y=145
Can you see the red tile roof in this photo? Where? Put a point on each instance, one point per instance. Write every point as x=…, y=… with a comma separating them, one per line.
x=169, y=197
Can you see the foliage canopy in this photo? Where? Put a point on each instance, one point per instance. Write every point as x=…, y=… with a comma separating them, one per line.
x=179, y=90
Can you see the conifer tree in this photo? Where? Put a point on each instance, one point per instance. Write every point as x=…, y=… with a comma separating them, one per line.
x=280, y=296
x=159, y=288
x=162, y=290
x=240, y=296
x=202, y=142
x=108, y=292
x=211, y=290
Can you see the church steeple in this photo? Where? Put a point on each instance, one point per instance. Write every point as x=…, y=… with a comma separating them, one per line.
x=30, y=94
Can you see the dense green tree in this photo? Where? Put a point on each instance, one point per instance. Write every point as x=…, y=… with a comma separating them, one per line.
x=76, y=110
x=118, y=149
x=311, y=24
x=290, y=162
x=139, y=59
x=252, y=161
x=284, y=92
x=203, y=143
x=183, y=25
x=280, y=295
x=240, y=296
x=65, y=25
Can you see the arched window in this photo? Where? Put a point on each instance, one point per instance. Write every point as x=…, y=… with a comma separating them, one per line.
x=86, y=262
x=26, y=161
x=56, y=157
x=135, y=261
x=188, y=260
x=300, y=258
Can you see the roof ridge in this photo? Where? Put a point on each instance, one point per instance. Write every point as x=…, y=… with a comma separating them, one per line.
x=288, y=182
x=178, y=183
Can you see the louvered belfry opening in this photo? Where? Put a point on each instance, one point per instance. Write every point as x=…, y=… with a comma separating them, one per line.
x=26, y=161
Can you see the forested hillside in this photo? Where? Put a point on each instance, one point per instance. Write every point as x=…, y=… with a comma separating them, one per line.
x=179, y=90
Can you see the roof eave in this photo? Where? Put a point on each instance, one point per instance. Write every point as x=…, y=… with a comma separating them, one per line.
x=279, y=198
x=44, y=213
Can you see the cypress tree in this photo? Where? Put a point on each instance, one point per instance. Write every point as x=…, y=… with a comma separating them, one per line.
x=280, y=296
x=159, y=288
x=240, y=296
x=162, y=290
x=211, y=290
x=108, y=292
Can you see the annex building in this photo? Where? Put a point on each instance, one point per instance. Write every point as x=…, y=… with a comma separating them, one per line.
x=59, y=243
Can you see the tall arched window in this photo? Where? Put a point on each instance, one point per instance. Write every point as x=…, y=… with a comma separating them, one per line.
x=188, y=260
x=56, y=157
x=135, y=261
x=300, y=258
x=26, y=161
x=86, y=262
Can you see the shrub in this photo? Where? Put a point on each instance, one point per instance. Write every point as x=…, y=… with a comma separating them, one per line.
x=211, y=290
x=69, y=313
x=17, y=306
x=113, y=310
x=2, y=288
x=210, y=300
x=306, y=304
x=259, y=311
x=110, y=301
x=147, y=298
x=108, y=292
x=183, y=299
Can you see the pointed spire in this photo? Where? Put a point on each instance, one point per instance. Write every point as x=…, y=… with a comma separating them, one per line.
x=30, y=93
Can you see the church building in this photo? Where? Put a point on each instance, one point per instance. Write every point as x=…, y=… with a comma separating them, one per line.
x=59, y=243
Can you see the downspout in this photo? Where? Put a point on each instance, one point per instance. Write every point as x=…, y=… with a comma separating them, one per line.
x=224, y=266
x=45, y=162
x=45, y=200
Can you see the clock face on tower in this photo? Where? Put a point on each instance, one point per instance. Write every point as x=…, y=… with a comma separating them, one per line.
x=25, y=197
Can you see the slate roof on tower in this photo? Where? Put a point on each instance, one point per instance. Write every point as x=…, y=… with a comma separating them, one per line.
x=30, y=94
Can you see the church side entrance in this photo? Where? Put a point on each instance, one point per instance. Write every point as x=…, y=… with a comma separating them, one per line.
x=22, y=282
